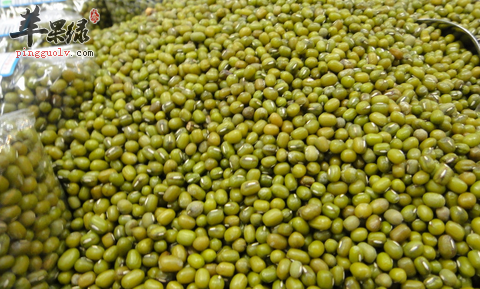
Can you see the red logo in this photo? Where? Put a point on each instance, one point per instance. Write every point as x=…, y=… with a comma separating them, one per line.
x=94, y=16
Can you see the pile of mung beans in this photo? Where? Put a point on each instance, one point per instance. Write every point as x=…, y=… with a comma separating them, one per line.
x=273, y=144
x=463, y=12
x=124, y=10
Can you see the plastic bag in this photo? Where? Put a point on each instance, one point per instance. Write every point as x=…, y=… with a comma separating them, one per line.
x=124, y=10
x=12, y=9
x=34, y=218
x=52, y=88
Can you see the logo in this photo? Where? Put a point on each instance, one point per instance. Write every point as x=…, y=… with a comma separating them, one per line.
x=74, y=32
x=94, y=16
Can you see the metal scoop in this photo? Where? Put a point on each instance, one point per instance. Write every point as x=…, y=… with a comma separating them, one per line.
x=456, y=27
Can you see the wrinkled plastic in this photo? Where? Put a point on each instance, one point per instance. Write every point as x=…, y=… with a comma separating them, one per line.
x=124, y=10
x=34, y=218
x=52, y=88
x=16, y=10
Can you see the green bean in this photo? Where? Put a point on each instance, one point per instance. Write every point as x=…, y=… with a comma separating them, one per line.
x=253, y=144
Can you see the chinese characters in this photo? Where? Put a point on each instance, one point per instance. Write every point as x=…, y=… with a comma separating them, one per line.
x=94, y=16
x=74, y=32
x=28, y=27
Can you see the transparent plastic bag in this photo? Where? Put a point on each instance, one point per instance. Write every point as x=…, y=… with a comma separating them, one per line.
x=52, y=88
x=124, y=10
x=34, y=218
x=14, y=9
